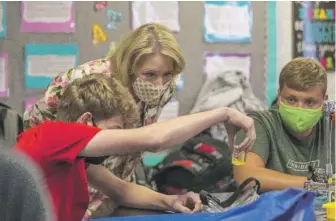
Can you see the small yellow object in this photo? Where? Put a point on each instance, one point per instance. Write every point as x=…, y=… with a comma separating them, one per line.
x=98, y=35
x=330, y=180
x=238, y=159
x=237, y=162
x=330, y=207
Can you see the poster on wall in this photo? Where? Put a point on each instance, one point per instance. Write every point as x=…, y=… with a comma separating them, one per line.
x=165, y=13
x=43, y=62
x=47, y=16
x=314, y=31
x=217, y=63
x=4, y=89
x=3, y=22
x=227, y=21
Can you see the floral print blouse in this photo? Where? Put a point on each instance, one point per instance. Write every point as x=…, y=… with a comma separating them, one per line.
x=121, y=166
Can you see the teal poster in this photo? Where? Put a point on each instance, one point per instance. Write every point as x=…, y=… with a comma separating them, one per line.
x=43, y=62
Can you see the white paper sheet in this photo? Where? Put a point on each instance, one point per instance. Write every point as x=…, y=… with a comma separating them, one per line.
x=1, y=17
x=163, y=12
x=229, y=20
x=219, y=64
x=171, y=110
x=49, y=65
x=47, y=11
x=3, y=75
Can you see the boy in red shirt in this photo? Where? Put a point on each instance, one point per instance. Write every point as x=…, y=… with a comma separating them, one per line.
x=91, y=124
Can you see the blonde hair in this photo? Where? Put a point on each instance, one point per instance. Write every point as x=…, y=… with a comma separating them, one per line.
x=302, y=73
x=147, y=39
x=104, y=97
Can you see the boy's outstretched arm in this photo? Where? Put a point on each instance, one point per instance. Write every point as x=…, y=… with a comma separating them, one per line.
x=136, y=196
x=168, y=133
x=269, y=179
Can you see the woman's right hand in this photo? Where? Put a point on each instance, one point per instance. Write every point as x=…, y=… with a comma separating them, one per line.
x=235, y=122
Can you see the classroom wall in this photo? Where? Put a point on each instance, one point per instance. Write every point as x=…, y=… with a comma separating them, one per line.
x=190, y=38
x=284, y=42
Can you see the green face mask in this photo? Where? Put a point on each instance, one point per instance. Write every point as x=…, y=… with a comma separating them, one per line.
x=299, y=119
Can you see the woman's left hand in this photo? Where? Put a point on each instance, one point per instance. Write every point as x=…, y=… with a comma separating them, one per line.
x=187, y=203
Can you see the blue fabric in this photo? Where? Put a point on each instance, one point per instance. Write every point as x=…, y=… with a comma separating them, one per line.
x=289, y=205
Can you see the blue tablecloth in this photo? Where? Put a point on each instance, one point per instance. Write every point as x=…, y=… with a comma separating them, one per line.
x=142, y=216
x=166, y=217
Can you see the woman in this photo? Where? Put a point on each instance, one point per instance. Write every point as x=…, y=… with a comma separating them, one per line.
x=147, y=61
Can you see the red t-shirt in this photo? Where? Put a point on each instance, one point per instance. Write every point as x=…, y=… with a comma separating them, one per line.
x=54, y=146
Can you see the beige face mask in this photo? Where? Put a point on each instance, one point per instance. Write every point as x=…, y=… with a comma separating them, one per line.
x=148, y=92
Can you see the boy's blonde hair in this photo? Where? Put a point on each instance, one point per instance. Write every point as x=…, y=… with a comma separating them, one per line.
x=147, y=39
x=101, y=95
x=302, y=73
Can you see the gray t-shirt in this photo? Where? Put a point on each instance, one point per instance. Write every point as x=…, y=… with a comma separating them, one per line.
x=284, y=153
x=21, y=195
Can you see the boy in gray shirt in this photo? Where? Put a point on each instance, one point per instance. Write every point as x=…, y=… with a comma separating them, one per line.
x=291, y=137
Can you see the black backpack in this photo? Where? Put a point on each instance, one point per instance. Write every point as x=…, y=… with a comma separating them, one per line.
x=203, y=163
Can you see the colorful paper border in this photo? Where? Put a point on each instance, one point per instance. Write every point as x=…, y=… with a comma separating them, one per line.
x=67, y=27
x=271, y=53
x=46, y=49
x=4, y=20
x=5, y=93
x=214, y=38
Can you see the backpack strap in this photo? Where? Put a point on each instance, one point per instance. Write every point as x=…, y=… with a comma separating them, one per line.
x=240, y=190
x=209, y=200
x=4, y=106
x=3, y=113
x=11, y=124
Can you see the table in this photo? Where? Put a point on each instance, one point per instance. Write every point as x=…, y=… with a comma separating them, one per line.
x=124, y=212
x=128, y=212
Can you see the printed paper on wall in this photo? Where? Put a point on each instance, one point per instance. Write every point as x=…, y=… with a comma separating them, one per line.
x=227, y=21
x=43, y=62
x=47, y=16
x=162, y=12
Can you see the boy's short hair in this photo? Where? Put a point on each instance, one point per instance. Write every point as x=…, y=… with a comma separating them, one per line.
x=101, y=95
x=302, y=73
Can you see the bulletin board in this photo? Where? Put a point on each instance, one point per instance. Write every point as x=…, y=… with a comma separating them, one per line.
x=190, y=38
x=313, y=35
